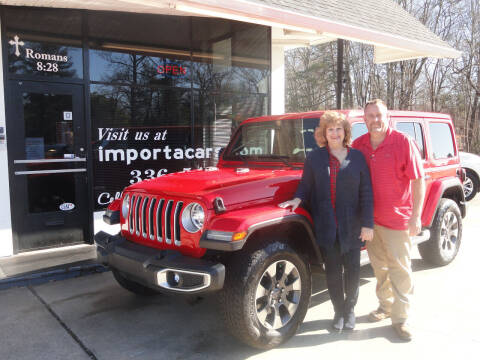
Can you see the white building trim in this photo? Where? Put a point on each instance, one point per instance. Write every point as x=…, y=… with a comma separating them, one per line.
x=278, y=76
x=6, y=240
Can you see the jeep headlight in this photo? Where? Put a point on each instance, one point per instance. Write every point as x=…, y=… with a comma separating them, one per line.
x=193, y=217
x=125, y=206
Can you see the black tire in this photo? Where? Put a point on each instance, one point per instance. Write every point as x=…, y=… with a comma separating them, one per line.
x=242, y=302
x=133, y=286
x=445, y=235
x=470, y=185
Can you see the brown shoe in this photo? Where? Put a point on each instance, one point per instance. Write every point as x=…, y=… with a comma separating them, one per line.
x=403, y=331
x=378, y=315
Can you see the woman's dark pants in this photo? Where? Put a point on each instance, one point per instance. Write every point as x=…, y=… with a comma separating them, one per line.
x=343, y=276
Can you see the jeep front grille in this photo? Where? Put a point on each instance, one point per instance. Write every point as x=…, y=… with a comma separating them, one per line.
x=155, y=218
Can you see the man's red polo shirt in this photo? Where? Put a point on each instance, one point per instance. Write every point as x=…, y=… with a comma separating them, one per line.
x=393, y=164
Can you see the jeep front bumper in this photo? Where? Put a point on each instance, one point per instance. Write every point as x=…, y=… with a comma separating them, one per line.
x=162, y=270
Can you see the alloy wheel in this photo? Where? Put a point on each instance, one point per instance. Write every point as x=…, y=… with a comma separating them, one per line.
x=449, y=234
x=278, y=294
x=467, y=187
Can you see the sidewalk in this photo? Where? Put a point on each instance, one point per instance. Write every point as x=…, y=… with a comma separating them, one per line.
x=93, y=318
x=37, y=267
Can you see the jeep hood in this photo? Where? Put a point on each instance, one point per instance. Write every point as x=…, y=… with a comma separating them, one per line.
x=231, y=184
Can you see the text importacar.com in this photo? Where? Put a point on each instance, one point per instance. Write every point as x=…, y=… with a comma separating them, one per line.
x=129, y=155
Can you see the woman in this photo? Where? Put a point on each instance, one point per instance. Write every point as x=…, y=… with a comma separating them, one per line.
x=336, y=184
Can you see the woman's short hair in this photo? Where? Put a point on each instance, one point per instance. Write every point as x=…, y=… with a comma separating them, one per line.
x=332, y=118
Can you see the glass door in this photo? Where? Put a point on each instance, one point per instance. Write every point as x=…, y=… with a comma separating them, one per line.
x=47, y=162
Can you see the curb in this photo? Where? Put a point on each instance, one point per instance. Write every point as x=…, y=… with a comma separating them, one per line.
x=53, y=274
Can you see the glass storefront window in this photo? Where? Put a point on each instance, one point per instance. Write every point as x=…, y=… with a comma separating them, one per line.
x=138, y=133
x=139, y=49
x=138, y=69
x=166, y=92
x=139, y=30
x=216, y=116
x=139, y=106
x=230, y=56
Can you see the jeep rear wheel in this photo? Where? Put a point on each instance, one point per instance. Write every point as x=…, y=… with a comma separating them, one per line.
x=470, y=185
x=446, y=235
x=133, y=286
x=266, y=295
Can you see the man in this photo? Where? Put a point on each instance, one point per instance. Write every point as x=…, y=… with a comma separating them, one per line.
x=398, y=192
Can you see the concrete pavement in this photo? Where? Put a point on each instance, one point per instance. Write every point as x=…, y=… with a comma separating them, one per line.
x=91, y=317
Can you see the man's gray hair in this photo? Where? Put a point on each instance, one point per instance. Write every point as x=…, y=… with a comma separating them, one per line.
x=375, y=102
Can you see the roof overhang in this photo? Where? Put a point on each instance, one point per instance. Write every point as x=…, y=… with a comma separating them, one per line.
x=299, y=29
x=304, y=30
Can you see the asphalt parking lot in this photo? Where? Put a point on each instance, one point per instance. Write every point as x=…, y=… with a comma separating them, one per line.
x=91, y=317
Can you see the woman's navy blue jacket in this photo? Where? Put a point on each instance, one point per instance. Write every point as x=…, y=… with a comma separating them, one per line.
x=354, y=199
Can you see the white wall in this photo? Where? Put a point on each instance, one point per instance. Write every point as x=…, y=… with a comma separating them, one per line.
x=6, y=241
x=278, y=77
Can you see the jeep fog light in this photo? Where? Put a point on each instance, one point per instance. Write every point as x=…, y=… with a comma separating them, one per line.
x=193, y=217
x=125, y=206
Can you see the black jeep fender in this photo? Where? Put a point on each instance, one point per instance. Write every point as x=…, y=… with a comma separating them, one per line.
x=272, y=222
x=297, y=228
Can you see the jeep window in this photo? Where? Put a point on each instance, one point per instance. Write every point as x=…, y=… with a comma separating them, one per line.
x=442, y=140
x=414, y=130
x=273, y=140
x=358, y=129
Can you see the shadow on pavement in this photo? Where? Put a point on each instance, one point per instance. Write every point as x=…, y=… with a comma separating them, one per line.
x=421, y=265
x=304, y=340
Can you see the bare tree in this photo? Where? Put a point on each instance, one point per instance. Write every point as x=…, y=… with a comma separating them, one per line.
x=310, y=78
x=469, y=70
x=428, y=84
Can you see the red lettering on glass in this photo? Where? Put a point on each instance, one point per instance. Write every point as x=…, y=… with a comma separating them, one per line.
x=171, y=69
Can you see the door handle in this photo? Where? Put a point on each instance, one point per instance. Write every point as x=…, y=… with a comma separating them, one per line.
x=45, y=161
x=38, y=172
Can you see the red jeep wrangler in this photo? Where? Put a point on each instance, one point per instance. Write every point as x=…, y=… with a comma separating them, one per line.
x=220, y=229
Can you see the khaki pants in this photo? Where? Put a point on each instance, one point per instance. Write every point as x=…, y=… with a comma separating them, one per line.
x=389, y=254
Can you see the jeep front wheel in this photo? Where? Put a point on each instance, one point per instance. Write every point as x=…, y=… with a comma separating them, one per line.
x=446, y=235
x=266, y=294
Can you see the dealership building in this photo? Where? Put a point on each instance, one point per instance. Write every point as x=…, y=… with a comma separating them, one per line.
x=97, y=95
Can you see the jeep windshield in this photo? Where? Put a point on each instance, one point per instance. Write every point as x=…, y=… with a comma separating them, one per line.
x=283, y=141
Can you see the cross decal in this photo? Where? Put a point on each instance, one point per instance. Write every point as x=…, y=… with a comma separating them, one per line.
x=16, y=43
